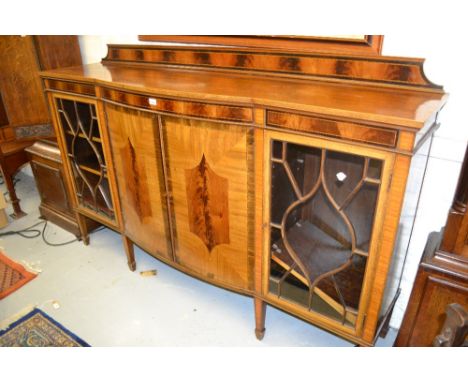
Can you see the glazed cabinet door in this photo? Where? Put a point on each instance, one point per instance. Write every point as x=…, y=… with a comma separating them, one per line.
x=210, y=181
x=136, y=150
x=323, y=207
x=81, y=137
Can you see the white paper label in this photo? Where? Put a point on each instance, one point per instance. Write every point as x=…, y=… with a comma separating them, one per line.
x=341, y=176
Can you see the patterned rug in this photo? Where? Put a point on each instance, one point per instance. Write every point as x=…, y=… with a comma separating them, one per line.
x=37, y=329
x=12, y=276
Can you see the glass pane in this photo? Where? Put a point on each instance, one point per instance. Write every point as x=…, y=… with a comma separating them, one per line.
x=282, y=193
x=277, y=149
x=375, y=169
x=81, y=131
x=327, y=200
x=365, y=200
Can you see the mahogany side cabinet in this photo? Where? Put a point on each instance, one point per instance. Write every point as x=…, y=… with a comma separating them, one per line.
x=56, y=205
x=274, y=174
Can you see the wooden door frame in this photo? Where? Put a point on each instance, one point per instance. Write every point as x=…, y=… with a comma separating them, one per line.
x=378, y=227
x=102, y=125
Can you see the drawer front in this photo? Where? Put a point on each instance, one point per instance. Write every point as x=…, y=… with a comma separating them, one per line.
x=336, y=129
x=70, y=87
x=187, y=108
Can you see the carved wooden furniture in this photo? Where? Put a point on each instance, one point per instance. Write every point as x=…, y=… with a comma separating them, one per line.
x=56, y=205
x=442, y=277
x=277, y=175
x=24, y=115
x=455, y=329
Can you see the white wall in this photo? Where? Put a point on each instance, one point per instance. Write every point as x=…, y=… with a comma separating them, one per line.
x=443, y=66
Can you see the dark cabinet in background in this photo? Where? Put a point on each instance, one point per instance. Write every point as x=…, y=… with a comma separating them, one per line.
x=56, y=200
x=24, y=113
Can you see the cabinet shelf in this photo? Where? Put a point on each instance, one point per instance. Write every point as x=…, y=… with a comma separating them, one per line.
x=320, y=253
x=322, y=303
x=91, y=170
x=88, y=165
x=89, y=204
x=86, y=155
x=82, y=136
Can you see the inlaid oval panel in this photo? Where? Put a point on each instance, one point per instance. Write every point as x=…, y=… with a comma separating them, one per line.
x=209, y=170
x=207, y=201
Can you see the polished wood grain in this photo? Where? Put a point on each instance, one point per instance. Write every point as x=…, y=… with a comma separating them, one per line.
x=212, y=113
x=50, y=180
x=455, y=239
x=20, y=84
x=442, y=279
x=22, y=98
x=187, y=108
x=6, y=132
x=257, y=265
x=130, y=252
x=396, y=107
x=208, y=208
x=225, y=149
x=374, y=289
x=56, y=51
x=3, y=117
x=12, y=157
x=109, y=161
x=260, y=313
x=136, y=151
x=327, y=127
x=455, y=329
x=52, y=192
x=70, y=87
x=370, y=44
x=371, y=69
x=22, y=59
x=406, y=140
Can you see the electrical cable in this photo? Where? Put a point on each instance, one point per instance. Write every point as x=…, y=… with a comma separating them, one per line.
x=31, y=233
x=27, y=233
x=54, y=244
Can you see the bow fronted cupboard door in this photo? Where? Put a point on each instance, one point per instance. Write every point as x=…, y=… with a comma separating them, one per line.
x=136, y=149
x=323, y=218
x=210, y=180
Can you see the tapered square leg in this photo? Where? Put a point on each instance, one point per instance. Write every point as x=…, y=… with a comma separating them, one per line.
x=17, y=211
x=83, y=228
x=128, y=245
x=260, y=312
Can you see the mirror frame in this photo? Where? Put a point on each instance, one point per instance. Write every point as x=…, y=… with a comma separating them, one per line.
x=368, y=45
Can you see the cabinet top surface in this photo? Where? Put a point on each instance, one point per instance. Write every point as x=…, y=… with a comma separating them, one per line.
x=396, y=106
